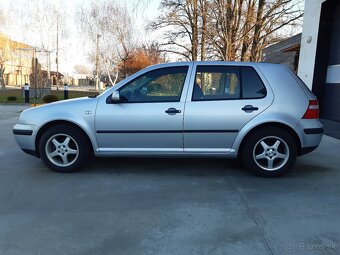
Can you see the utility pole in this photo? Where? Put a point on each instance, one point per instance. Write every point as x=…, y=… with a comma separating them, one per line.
x=97, y=62
x=57, y=53
x=35, y=61
x=21, y=71
x=48, y=68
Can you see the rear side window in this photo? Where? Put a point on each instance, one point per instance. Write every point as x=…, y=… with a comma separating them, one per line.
x=252, y=85
x=227, y=83
x=217, y=83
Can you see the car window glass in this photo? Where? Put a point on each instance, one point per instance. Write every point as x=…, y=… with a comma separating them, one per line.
x=252, y=85
x=161, y=85
x=216, y=83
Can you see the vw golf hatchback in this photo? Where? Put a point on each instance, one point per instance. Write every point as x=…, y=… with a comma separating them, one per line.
x=261, y=113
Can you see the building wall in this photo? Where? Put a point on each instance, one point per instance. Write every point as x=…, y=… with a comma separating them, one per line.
x=17, y=61
x=285, y=58
x=319, y=63
x=308, y=48
x=278, y=53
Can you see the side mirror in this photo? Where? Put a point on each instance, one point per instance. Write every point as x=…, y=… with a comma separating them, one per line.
x=115, y=97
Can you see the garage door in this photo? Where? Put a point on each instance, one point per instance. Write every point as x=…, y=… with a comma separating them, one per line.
x=332, y=87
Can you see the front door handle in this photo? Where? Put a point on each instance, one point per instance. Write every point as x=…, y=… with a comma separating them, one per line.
x=249, y=108
x=172, y=111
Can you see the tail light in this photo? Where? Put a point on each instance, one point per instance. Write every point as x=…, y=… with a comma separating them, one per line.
x=312, y=110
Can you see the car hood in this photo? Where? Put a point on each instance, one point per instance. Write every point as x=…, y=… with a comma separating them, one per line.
x=61, y=110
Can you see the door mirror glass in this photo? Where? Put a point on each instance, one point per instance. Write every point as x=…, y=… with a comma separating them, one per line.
x=115, y=97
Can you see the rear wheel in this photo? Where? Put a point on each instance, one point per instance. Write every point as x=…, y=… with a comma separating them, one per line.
x=64, y=149
x=269, y=152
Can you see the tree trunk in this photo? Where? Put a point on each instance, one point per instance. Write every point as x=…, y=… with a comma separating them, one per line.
x=245, y=32
x=2, y=79
x=195, y=31
x=204, y=8
x=257, y=31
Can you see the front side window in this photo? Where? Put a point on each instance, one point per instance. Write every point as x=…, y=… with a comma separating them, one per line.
x=161, y=85
x=216, y=83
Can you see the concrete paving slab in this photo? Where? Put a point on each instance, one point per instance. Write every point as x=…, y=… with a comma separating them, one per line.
x=166, y=206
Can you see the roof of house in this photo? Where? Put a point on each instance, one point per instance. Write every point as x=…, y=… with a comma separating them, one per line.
x=6, y=41
x=291, y=44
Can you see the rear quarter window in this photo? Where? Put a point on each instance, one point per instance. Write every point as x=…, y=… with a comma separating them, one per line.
x=252, y=85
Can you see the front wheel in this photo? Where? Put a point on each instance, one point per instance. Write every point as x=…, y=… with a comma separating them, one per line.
x=63, y=148
x=270, y=152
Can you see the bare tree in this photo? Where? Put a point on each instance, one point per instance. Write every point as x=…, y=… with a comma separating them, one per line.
x=38, y=78
x=115, y=27
x=247, y=26
x=181, y=19
x=2, y=18
x=144, y=56
x=257, y=29
x=2, y=72
x=225, y=29
x=45, y=20
x=81, y=69
x=273, y=16
x=4, y=57
x=243, y=28
x=204, y=7
x=154, y=53
x=225, y=21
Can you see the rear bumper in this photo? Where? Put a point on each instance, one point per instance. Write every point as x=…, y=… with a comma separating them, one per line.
x=313, y=131
x=307, y=150
x=310, y=132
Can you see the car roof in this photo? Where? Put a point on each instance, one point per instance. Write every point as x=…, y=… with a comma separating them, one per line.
x=237, y=63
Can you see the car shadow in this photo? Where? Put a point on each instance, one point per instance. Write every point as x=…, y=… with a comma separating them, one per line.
x=189, y=167
x=165, y=166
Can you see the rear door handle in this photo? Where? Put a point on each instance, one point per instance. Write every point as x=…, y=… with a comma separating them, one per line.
x=249, y=108
x=172, y=111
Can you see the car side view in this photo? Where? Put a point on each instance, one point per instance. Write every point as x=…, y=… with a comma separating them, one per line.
x=261, y=113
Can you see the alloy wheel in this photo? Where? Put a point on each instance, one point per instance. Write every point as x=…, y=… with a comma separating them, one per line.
x=62, y=150
x=271, y=153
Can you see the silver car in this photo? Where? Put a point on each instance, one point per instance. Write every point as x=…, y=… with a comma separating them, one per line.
x=261, y=113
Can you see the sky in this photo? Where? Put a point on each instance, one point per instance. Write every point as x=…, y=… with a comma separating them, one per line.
x=73, y=48
x=21, y=16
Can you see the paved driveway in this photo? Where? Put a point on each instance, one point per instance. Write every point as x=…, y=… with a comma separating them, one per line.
x=166, y=206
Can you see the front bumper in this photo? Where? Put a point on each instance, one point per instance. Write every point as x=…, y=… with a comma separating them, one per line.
x=24, y=135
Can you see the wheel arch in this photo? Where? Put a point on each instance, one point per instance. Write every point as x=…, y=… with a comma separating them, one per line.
x=47, y=125
x=285, y=127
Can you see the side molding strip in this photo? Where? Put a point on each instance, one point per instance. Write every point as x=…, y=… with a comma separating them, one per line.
x=162, y=131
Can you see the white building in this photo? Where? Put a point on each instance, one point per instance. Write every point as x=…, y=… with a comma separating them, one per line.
x=319, y=64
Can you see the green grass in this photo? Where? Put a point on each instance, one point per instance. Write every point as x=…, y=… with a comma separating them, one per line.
x=60, y=94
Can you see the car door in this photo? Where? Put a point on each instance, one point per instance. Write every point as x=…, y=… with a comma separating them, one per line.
x=222, y=99
x=149, y=116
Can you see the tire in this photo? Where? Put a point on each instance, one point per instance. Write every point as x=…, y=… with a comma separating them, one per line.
x=64, y=149
x=269, y=152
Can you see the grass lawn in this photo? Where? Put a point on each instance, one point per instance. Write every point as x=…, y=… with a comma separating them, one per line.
x=60, y=94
